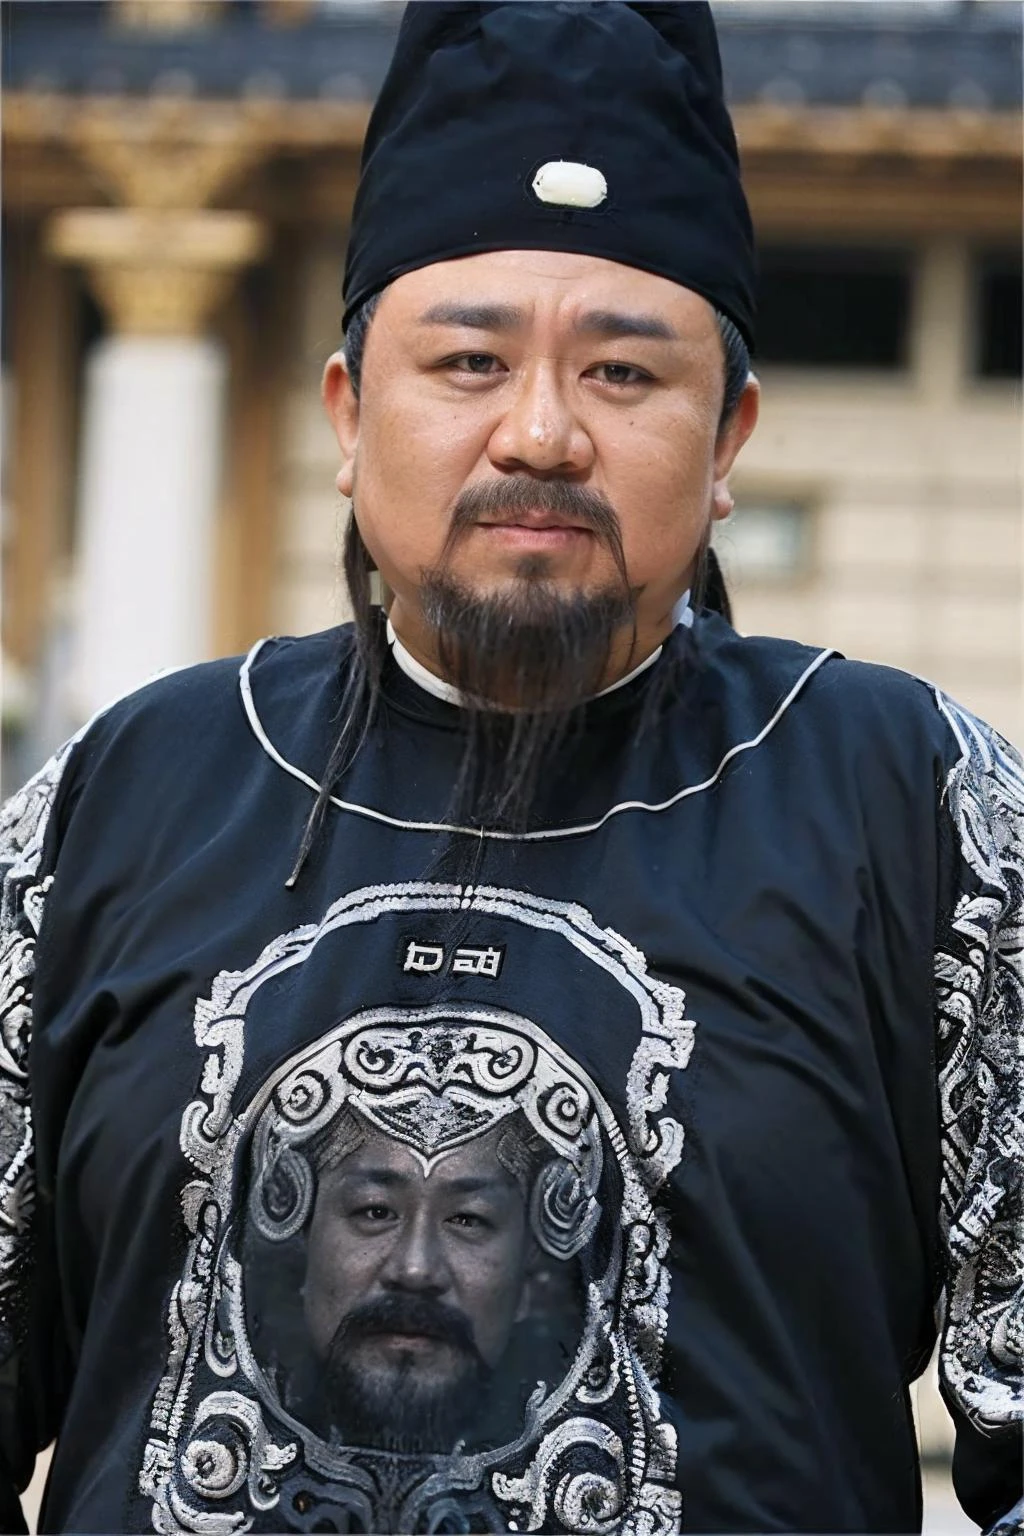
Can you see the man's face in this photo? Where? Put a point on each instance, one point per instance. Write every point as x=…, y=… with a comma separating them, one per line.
x=537, y=364
x=413, y=1282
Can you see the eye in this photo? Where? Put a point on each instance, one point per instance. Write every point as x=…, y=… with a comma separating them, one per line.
x=373, y=1213
x=470, y=1221
x=480, y=364
x=620, y=374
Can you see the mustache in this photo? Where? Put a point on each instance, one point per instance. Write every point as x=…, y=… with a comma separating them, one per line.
x=565, y=499
x=404, y=1314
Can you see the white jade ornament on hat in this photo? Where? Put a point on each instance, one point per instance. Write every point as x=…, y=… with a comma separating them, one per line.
x=570, y=184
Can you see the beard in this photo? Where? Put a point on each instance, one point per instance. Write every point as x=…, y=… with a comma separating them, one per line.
x=532, y=643
x=394, y=1405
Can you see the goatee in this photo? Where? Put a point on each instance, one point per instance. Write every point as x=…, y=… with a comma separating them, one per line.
x=392, y=1407
x=526, y=657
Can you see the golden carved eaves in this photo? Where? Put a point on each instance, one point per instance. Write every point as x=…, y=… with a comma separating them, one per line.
x=164, y=15
x=157, y=272
x=269, y=124
x=265, y=122
x=911, y=133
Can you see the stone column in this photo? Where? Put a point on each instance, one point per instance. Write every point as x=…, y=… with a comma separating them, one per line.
x=941, y=322
x=152, y=438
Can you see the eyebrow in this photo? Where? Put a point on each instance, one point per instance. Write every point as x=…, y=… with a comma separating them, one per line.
x=470, y=1183
x=386, y=1176
x=475, y=317
x=609, y=324
x=613, y=324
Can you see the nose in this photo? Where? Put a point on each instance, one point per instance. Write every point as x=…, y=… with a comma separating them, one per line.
x=540, y=430
x=416, y=1261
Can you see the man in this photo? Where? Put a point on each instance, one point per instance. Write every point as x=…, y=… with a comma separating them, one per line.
x=412, y=1289
x=734, y=925
x=428, y=1297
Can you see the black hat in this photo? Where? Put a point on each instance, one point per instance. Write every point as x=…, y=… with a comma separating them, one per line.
x=569, y=125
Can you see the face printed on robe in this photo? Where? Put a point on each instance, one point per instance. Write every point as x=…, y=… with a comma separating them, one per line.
x=414, y=1283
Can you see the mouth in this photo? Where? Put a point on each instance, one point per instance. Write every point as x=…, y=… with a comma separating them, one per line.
x=419, y=1331
x=411, y=1343
x=540, y=530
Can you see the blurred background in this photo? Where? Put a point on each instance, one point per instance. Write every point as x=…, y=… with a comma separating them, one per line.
x=177, y=179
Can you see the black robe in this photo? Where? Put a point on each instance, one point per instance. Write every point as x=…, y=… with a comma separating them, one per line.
x=671, y=1130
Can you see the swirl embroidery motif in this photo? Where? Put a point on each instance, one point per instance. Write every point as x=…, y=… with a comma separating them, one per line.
x=272, y=1400
x=23, y=823
x=979, y=971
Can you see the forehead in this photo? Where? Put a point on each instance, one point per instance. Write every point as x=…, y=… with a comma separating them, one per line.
x=546, y=284
x=379, y=1154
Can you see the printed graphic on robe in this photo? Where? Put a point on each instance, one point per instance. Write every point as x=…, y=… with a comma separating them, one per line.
x=426, y=1289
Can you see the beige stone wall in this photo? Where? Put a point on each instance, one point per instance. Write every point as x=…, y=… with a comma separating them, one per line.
x=915, y=488
x=914, y=483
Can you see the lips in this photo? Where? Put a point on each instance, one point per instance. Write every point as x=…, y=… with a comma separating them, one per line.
x=540, y=522
x=412, y=1332
x=537, y=533
x=415, y=1338
x=422, y=1334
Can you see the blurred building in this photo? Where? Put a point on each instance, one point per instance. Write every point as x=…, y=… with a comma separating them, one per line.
x=177, y=177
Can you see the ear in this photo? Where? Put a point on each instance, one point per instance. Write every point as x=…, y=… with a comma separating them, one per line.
x=342, y=406
x=731, y=439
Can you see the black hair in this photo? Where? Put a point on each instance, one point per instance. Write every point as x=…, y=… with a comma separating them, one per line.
x=355, y=339
x=361, y=689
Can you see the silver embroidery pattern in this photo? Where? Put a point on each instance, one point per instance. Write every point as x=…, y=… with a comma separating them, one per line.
x=591, y=1451
x=23, y=822
x=979, y=970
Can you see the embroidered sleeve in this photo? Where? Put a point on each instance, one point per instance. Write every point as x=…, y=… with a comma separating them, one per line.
x=980, y=999
x=23, y=823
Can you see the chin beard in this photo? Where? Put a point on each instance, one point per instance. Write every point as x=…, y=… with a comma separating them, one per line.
x=525, y=660
x=545, y=649
x=390, y=1407
x=528, y=648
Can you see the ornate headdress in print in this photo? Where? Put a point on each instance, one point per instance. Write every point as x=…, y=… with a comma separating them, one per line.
x=433, y=1089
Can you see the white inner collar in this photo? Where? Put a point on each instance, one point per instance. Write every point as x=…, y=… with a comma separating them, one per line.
x=431, y=683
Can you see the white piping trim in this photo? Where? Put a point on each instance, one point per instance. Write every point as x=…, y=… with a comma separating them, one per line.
x=419, y=674
x=545, y=835
x=636, y=672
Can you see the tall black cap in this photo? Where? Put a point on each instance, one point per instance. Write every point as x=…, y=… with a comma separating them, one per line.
x=570, y=125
